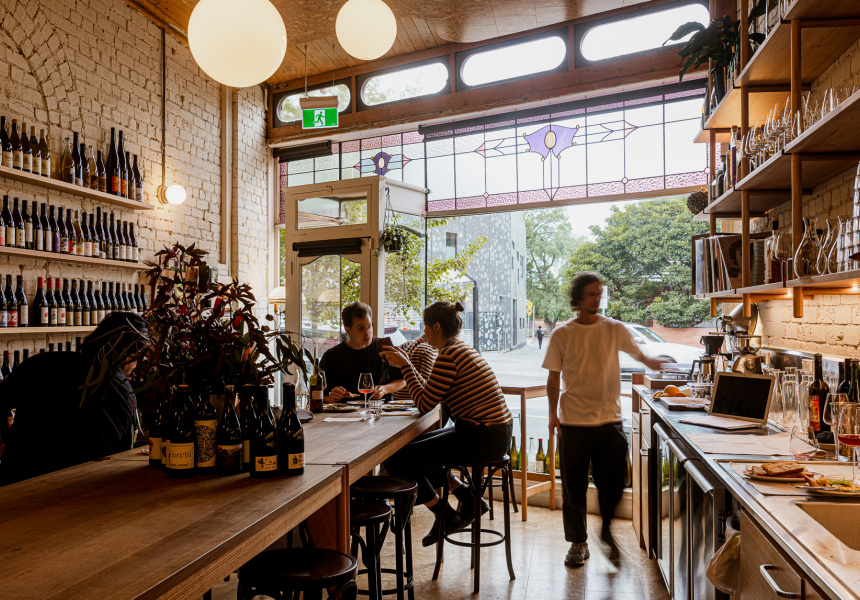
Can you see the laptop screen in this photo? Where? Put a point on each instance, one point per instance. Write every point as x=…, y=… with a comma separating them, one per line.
x=742, y=396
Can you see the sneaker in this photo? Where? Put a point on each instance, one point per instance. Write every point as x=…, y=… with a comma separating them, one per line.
x=577, y=554
x=452, y=524
x=467, y=511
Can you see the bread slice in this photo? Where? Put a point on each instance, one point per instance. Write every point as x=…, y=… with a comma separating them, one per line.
x=782, y=469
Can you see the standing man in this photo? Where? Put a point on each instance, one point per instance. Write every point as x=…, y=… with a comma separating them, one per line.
x=582, y=359
x=539, y=336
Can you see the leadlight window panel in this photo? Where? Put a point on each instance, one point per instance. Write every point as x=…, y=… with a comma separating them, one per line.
x=514, y=61
x=643, y=152
x=570, y=164
x=440, y=177
x=289, y=110
x=685, y=109
x=405, y=84
x=605, y=161
x=501, y=174
x=469, y=166
x=680, y=158
x=641, y=33
x=326, y=176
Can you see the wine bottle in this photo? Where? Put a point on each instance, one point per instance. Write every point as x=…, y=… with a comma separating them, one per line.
x=317, y=385
x=531, y=458
x=79, y=235
x=104, y=309
x=156, y=433
x=94, y=240
x=16, y=360
x=557, y=460
x=71, y=247
x=94, y=305
x=45, y=152
x=17, y=155
x=62, y=293
x=108, y=296
x=4, y=313
x=41, y=307
x=52, y=304
x=86, y=309
x=204, y=434
x=5, y=144
x=42, y=233
x=845, y=379
x=129, y=251
x=23, y=305
x=9, y=224
x=62, y=237
x=112, y=173
x=29, y=242
x=99, y=237
x=248, y=418
x=135, y=249
x=138, y=181
x=20, y=234
x=36, y=151
x=122, y=247
x=291, y=436
x=121, y=167
x=77, y=159
x=228, y=438
x=77, y=307
x=87, y=243
x=26, y=152
x=854, y=390
x=514, y=453
x=2, y=227
x=6, y=369
x=85, y=167
x=92, y=168
x=67, y=163
x=109, y=243
x=264, y=440
x=143, y=299
x=540, y=459
x=11, y=304
x=26, y=355
x=180, y=444
x=114, y=239
x=52, y=234
x=129, y=172
x=101, y=173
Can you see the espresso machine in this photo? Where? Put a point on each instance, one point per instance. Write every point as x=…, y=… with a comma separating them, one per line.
x=708, y=364
x=744, y=339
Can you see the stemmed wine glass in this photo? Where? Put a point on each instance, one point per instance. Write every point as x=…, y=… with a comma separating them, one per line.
x=830, y=414
x=848, y=431
x=365, y=385
x=783, y=253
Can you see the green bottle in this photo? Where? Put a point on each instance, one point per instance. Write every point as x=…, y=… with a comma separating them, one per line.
x=515, y=456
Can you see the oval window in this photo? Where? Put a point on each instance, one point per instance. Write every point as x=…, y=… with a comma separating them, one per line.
x=404, y=84
x=288, y=108
x=513, y=61
x=638, y=34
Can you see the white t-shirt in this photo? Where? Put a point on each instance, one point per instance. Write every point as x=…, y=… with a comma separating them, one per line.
x=587, y=358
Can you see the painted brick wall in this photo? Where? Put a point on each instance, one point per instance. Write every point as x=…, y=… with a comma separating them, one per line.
x=831, y=324
x=89, y=65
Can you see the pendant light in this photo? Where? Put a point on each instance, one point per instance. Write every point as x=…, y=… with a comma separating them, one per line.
x=237, y=42
x=366, y=29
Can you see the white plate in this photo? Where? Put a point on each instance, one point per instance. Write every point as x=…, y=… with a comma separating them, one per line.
x=339, y=408
x=828, y=491
x=749, y=475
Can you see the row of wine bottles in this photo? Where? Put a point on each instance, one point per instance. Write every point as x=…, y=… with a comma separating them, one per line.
x=117, y=173
x=22, y=355
x=534, y=462
x=67, y=304
x=49, y=231
x=187, y=439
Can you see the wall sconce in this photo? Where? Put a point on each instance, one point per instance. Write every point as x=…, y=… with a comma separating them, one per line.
x=174, y=194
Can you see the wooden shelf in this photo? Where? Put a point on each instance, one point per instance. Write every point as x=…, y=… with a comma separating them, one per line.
x=703, y=137
x=816, y=9
x=847, y=282
x=43, y=330
x=839, y=131
x=728, y=111
x=728, y=206
x=87, y=260
x=775, y=174
x=61, y=186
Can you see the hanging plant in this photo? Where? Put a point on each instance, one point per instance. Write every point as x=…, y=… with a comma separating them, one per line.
x=393, y=239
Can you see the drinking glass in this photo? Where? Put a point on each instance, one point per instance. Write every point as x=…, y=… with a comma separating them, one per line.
x=365, y=385
x=848, y=431
x=830, y=414
x=374, y=408
x=798, y=443
x=776, y=408
x=783, y=253
x=301, y=392
x=789, y=402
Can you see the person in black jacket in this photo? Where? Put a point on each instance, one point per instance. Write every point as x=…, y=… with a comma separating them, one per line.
x=72, y=407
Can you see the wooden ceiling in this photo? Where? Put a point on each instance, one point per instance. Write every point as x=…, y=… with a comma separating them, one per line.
x=421, y=24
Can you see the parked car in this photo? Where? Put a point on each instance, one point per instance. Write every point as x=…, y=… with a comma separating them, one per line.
x=653, y=345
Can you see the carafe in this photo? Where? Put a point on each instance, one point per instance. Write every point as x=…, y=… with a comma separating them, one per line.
x=806, y=255
x=826, y=244
x=834, y=255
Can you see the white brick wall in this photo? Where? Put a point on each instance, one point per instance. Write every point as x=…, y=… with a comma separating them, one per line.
x=89, y=65
x=830, y=324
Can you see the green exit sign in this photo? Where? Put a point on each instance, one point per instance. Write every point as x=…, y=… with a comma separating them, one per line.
x=316, y=118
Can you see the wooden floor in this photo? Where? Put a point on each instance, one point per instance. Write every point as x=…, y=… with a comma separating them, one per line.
x=538, y=556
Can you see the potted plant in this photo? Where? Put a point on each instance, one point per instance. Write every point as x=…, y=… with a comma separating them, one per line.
x=392, y=238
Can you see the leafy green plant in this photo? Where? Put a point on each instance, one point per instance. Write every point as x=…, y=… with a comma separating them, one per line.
x=714, y=42
x=392, y=238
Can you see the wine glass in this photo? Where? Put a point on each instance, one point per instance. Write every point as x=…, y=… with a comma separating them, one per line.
x=848, y=431
x=830, y=414
x=365, y=385
x=785, y=122
x=798, y=443
x=783, y=253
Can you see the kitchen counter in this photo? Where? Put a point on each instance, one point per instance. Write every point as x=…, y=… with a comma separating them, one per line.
x=832, y=565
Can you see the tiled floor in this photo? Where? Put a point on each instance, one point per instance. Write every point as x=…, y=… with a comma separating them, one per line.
x=538, y=555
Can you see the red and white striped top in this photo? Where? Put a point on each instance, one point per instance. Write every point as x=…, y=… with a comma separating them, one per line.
x=462, y=380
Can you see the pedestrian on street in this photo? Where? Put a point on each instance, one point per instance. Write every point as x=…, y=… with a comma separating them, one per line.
x=539, y=336
x=582, y=360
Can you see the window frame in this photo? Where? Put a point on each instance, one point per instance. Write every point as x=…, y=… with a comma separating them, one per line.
x=461, y=57
x=360, y=80
x=277, y=97
x=581, y=29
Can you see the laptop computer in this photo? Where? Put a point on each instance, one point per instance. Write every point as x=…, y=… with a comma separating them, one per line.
x=738, y=401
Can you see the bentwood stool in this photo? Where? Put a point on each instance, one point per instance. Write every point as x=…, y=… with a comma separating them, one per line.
x=375, y=517
x=500, y=481
x=287, y=573
x=479, y=482
x=403, y=493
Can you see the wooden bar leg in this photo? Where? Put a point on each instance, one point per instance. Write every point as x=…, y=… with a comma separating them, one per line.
x=524, y=459
x=329, y=526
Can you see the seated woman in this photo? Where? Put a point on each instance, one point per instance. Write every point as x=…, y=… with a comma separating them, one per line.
x=462, y=381
x=72, y=407
x=344, y=363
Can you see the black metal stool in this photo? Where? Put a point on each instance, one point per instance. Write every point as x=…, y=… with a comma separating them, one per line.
x=499, y=481
x=479, y=482
x=403, y=493
x=375, y=517
x=284, y=574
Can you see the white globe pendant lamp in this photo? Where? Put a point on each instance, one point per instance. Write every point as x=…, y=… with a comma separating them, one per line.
x=237, y=42
x=366, y=28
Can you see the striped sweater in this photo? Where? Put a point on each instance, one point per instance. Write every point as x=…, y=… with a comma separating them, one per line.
x=422, y=356
x=462, y=380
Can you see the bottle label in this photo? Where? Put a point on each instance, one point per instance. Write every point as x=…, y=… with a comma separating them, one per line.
x=88, y=248
x=22, y=237
x=55, y=242
x=814, y=417
x=296, y=461
x=264, y=464
x=44, y=316
x=28, y=231
x=180, y=456
x=115, y=184
x=246, y=451
x=61, y=316
x=12, y=318
x=2, y=236
x=85, y=179
x=85, y=317
x=317, y=395
x=4, y=318
x=78, y=179
x=71, y=247
x=154, y=448
x=101, y=315
x=28, y=162
x=7, y=158
x=37, y=166
x=204, y=435
x=23, y=316
x=78, y=318
x=17, y=159
x=11, y=236
x=54, y=316
x=102, y=185
x=46, y=167
x=138, y=194
x=136, y=254
x=123, y=188
x=122, y=252
x=228, y=456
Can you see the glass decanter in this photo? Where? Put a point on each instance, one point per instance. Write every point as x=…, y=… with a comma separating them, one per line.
x=806, y=255
x=834, y=254
x=826, y=244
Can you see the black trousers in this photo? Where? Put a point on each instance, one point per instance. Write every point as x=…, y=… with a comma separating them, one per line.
x=604, y=449
x=422, y=459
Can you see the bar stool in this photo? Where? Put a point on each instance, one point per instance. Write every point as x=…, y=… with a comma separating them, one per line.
x=499, y=481
x=375, y=517
x=403, y=493
x=284, y=574
x=479, y=482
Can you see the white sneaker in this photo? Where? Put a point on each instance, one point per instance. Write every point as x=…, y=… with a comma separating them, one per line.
x=577, y=554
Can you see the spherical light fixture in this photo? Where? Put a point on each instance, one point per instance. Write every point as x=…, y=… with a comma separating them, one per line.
x=237, y=42
x=173, y=194
x=366, y=28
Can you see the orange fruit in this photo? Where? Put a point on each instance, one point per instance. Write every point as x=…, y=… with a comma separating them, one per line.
x=679, y=395
x=671, y=390
x=659, y=394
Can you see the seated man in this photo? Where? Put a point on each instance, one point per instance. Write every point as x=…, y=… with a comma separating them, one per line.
x=344, y=363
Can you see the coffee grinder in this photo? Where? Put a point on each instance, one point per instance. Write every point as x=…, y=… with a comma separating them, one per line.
x=713, y=343
x=745, y=339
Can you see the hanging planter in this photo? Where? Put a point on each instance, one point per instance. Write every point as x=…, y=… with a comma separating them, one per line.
x=393, y=239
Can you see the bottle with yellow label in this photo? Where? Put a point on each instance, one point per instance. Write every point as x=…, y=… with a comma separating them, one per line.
x=291, y=436
x=228, y=438
x=264, y=440
x=180, y=445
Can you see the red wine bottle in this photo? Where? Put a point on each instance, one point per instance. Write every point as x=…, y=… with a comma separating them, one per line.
x=180, y=444
x=156, y=433
x=205, y=419
x=291, y=436
x=41, y=307
x=228, y=437
x=23, y=305
x=264, y=440
x=818, y=391
x=112, y=173
x=247, y=420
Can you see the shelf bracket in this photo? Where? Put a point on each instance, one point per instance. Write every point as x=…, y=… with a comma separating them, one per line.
x=797, y=302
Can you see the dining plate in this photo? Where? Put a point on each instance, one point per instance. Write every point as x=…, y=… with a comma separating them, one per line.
x=829, y=491
x=402, y=403
x=339, y=408
x=749, y=475
x=395, y=407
